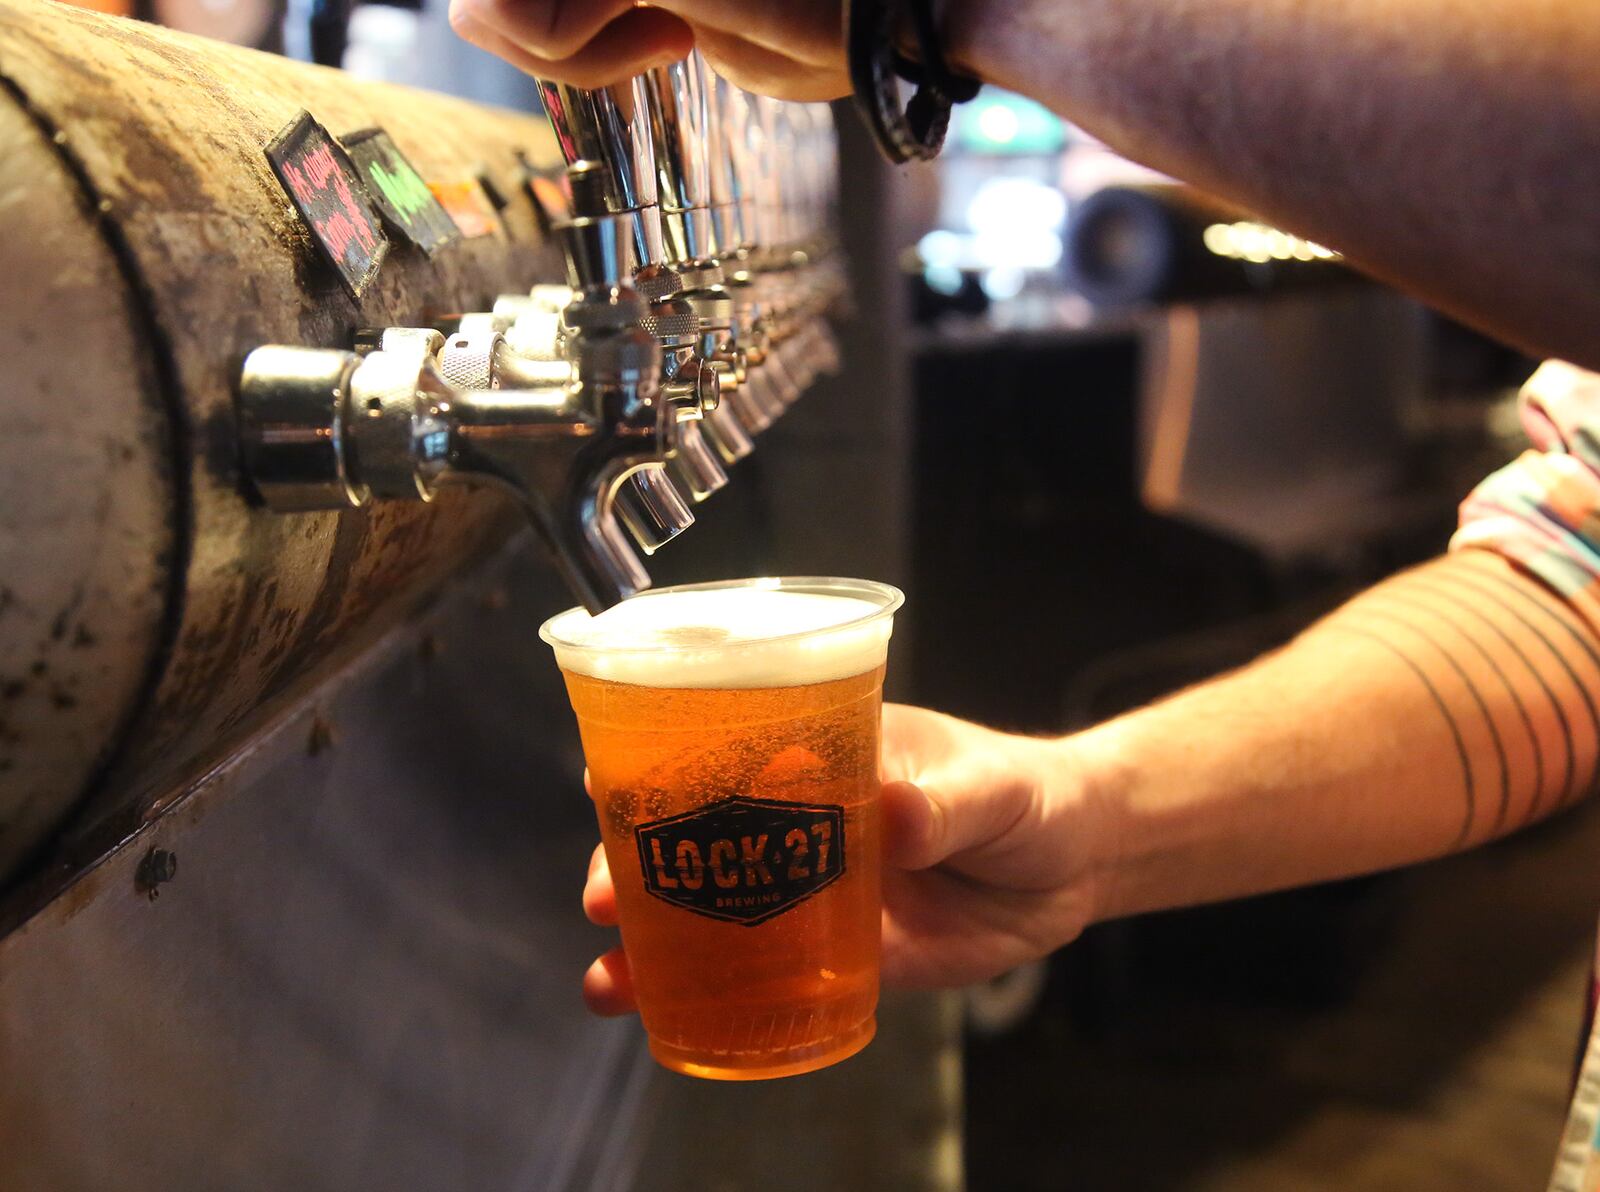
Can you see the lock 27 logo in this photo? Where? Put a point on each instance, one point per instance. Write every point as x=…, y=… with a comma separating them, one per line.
x=743, y=860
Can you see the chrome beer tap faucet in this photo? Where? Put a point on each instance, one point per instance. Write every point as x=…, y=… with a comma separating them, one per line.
x=801, y=264
x=329, y=429
x=613, y=126
x=517, y=343
x=608, y=125
x=688, y=153
x=737, y=147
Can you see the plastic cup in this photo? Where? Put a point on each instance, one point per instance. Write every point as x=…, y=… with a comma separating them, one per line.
x=732, y=736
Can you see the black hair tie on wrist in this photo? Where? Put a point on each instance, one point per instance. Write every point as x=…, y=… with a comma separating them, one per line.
x=917, y=132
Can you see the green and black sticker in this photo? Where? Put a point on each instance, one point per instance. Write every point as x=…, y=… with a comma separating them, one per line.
x=398, y=191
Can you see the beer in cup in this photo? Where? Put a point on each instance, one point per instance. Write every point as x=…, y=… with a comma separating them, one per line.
x=731, y=732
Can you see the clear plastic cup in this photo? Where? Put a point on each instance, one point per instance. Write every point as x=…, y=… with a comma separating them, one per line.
x=732, y=735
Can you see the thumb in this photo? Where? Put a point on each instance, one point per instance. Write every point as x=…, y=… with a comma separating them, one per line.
x=914, y=827
x=928, y=825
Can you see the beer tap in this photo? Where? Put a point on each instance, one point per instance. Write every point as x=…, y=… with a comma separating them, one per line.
x=580, y=439
x=799, y=262
x=678, y=104
x=736, y=145
x=613, y=126
x=495, y=351
x=518, y=344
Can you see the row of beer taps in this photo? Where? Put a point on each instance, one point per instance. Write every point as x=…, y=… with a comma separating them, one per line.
x=701, y=264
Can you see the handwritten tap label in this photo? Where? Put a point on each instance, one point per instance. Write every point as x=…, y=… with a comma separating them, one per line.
x=743, y=860
x=468, y=207
x=398, y=191
x=327, y=191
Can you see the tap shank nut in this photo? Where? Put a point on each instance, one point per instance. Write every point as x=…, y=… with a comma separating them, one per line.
x=294, y=423
x=400, y=438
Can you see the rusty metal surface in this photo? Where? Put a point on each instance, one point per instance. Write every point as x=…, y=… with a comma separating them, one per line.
x=165, y=134
x=86, y=500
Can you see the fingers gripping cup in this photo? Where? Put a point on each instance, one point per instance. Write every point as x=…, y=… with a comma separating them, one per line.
x=731, y=732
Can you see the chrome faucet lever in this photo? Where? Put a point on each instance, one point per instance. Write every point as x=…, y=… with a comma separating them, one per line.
x=609, y=125
x=680, y=131
x=693, y=398
x=652, y=509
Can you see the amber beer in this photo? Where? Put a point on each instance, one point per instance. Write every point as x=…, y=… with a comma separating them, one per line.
x=731, y=732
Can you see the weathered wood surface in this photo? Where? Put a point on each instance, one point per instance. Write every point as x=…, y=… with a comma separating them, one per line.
x=208, y=611
x=85, y=497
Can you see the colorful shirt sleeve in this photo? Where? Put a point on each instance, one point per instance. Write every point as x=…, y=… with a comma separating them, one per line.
x=1542, y=511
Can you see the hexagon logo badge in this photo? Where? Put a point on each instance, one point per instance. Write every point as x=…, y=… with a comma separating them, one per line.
x=743, y=860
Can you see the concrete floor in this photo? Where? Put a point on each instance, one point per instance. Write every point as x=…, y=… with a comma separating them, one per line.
x=1440, y=1060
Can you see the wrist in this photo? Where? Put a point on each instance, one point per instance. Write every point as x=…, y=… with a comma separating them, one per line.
x=1098, y=772
x=962, y=30
x=976, y=35
x=1068, y=835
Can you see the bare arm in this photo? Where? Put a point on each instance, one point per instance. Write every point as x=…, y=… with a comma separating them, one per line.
x=1451, y=147
x=1448, y=706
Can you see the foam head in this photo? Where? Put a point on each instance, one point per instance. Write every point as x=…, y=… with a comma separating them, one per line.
x=753, y=633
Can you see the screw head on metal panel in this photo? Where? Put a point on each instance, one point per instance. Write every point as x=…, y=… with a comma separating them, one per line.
x=156, y=868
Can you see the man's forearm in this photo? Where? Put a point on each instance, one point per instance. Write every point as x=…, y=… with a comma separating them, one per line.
x=1453, y=704
x=1449, y=146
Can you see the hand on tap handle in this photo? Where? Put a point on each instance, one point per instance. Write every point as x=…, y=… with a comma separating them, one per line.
x=787, y=48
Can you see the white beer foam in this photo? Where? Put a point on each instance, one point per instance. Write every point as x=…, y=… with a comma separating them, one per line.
x=724, y=638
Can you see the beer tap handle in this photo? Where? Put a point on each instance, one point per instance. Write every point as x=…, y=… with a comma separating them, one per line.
x=726, y=132
x=599, y=254
x=679, y=120
x=777, y=144
x=609, y=125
